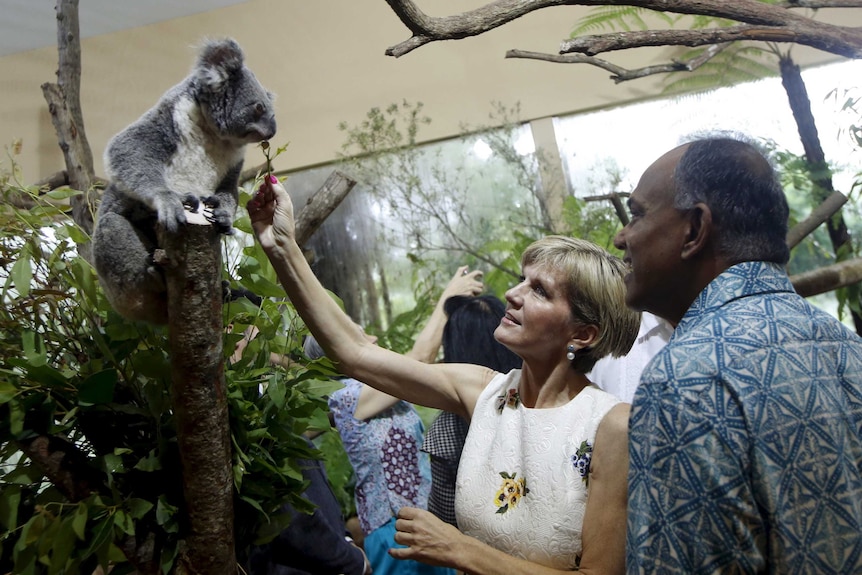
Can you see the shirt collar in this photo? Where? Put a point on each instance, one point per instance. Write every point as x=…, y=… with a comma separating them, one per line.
x=741, y=280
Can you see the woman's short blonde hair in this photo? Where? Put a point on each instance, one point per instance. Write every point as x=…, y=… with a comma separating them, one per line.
x=595, y=290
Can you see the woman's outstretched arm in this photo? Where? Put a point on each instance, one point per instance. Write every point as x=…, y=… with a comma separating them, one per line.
x=453, y=387
x=427, y=344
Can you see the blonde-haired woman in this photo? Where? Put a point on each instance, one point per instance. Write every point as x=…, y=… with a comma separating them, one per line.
x=542, y=483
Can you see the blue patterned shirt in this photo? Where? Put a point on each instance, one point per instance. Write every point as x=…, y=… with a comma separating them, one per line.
x=746, y=437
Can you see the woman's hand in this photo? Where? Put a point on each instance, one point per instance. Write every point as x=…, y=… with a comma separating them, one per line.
x=271, y=215
x=428, y=539
x=464, y=282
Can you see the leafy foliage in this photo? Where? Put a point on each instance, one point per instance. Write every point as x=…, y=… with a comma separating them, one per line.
x=79, y=382
x=475, y=200
x=625, y=18
x=736, y=64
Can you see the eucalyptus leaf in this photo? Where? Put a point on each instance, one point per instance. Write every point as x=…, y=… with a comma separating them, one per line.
x=22, y=274
x=10, y=499
x=79, y=521
x=98, y=388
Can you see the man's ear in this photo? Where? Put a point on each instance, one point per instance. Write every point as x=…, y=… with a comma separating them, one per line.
x=699, y=232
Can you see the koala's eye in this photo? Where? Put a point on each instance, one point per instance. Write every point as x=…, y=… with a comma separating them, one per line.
x=259, y=108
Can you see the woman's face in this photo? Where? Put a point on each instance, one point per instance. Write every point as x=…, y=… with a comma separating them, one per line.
x=538, y=322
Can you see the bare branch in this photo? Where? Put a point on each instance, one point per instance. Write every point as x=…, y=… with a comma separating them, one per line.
x=828, y=278
x=427, y=29
x=759, y=21
x=64, y=103
x=813, y=36
x=821, y=214
x=810, y=4
x=63, y=464
x=618, y=73
x=320, y=205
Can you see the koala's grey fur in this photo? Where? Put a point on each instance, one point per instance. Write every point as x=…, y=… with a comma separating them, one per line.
x=187, y=150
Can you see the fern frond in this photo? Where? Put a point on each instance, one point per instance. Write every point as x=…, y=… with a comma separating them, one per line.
x=625, y=18
x=739, y=63
x=699, y=22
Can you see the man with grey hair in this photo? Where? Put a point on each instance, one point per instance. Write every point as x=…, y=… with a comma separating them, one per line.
x=746, y=429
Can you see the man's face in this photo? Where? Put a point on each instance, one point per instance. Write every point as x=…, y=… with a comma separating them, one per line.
x=653, y=241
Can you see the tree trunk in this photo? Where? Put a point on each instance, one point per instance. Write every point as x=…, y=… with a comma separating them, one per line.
x=192, y=263
x=818, y=169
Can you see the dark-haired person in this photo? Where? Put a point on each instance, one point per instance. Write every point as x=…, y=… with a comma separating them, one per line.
x=468, y=337
x=546, y=492
x=746, y=429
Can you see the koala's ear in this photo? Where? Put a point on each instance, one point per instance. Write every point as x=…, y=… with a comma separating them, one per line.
x=217, y=61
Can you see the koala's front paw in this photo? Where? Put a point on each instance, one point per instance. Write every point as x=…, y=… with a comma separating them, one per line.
x=220, y=217
x=191, y=202
x=170, y=211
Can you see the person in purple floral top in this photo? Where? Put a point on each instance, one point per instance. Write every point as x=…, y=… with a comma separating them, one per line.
x=382, y=436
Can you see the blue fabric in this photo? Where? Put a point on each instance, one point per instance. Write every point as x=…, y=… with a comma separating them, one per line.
x=377, y=545
x=746, y=437
x=391, y=471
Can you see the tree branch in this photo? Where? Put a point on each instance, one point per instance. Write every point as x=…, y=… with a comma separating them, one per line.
x=199, y=395
x=65, y=466
x=759, y=22
x=828, y=278
x=64, y=103
x=321, y=204
x=810, y=35
x=618, y=73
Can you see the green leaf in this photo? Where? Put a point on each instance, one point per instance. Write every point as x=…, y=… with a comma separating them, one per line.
x=124, y=522
x=276, y=391
x=10, y=499
x=76, y=234
x=137, y=508
x=7, y=391
x=79, y=521
x=22, y=274
x=252, y=502
x=62, y=193
x=101, y=534
x=164, y=511
x=44, y=374
x=62, y=544
x=97, y=389
x=113, y=463
x=16, y=417
x=169, y=554
x=34, y=348
x=149, y=463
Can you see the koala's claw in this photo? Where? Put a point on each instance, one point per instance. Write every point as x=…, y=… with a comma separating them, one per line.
x=191, y=202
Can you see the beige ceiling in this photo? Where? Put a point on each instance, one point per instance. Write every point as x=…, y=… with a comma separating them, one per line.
x=324, y=59
x=30, y=24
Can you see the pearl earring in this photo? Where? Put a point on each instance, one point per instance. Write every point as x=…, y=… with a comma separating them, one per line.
x=570, y=352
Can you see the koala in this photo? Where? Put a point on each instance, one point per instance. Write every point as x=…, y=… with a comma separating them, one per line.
x=184, y=153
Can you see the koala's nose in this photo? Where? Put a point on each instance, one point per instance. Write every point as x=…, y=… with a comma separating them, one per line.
x=269, y=128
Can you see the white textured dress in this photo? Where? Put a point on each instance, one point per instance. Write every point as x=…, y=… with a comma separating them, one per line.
x=523, y=477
